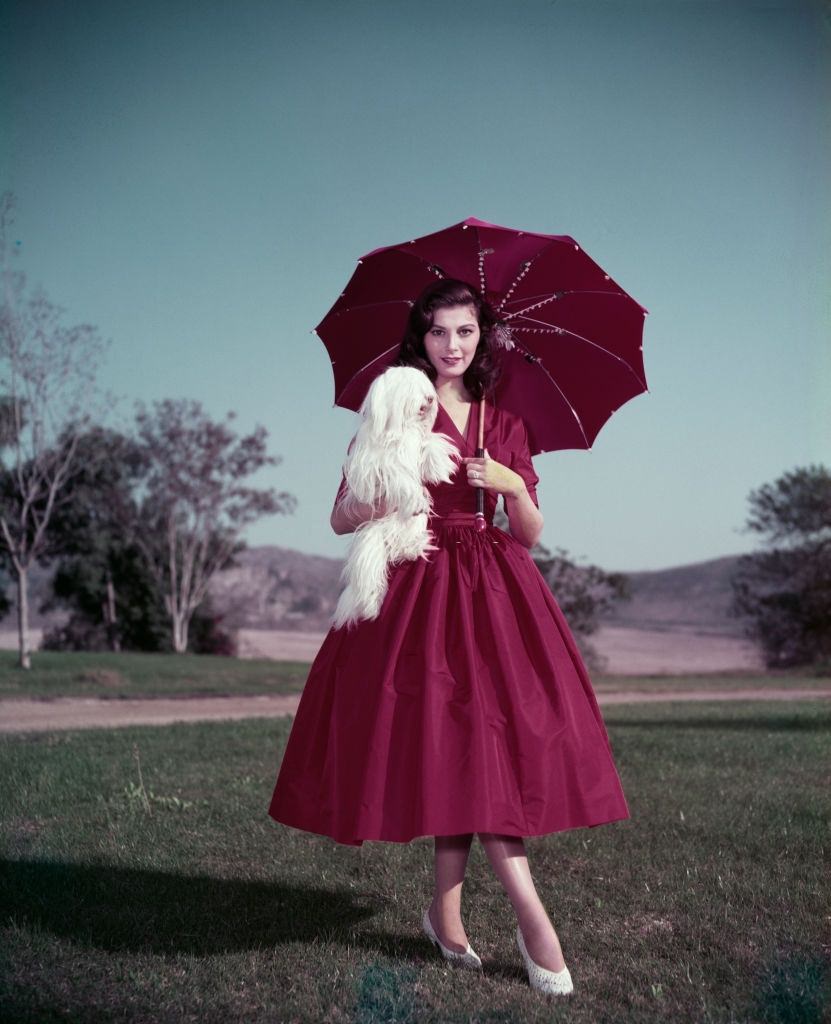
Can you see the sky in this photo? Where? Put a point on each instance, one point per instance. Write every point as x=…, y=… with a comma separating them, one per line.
x=198, y=179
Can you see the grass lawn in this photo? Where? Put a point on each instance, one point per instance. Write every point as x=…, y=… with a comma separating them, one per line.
x=141, y=880
x=83, y=674
x=771, y=680
x=109, y=675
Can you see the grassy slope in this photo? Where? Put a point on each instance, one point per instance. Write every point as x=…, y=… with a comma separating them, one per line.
x=166, y=894
x=56, y=674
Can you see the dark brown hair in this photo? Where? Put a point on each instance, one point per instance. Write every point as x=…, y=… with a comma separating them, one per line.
x=481, y=376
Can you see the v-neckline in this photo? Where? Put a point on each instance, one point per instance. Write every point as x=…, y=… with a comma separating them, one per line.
x=464, y=436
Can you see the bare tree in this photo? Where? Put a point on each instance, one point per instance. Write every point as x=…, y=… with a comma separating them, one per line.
x=47, y=378
x=196, y=501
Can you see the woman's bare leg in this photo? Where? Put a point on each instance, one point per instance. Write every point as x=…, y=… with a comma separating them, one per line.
x=446, y=907
x=510, y=863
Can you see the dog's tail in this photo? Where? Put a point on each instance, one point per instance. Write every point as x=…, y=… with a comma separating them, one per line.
x=365, y=576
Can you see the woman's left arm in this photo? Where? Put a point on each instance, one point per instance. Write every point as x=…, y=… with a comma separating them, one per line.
x=523, y=515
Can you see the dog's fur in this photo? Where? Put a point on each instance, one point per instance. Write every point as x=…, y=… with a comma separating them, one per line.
x=394, y=454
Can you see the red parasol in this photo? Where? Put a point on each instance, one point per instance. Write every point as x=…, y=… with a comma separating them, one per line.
x=571, y=337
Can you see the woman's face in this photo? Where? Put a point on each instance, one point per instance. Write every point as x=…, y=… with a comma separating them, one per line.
x=451, y=342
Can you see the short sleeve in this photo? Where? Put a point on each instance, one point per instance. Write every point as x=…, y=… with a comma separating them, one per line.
x=342, y=487
x=521, y=458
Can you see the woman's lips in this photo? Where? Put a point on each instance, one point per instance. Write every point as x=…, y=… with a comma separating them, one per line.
x=451, y=362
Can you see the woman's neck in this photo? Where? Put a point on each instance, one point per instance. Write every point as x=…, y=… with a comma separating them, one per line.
x=453, y=391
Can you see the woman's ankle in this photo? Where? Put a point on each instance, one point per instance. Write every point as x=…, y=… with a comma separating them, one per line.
x=445, y=906
x=542, y=942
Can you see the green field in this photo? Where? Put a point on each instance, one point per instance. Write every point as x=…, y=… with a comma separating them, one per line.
x=85, y=674
x=143, y=881
x=67, y=674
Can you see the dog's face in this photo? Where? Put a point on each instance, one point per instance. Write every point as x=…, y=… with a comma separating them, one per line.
x=401, y=398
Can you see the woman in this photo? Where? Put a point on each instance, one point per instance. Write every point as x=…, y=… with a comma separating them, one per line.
x=465, y=706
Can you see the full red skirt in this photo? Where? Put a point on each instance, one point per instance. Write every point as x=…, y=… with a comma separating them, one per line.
x=465, y=706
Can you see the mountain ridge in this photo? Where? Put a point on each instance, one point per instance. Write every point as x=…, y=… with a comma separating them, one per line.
x=276, y=588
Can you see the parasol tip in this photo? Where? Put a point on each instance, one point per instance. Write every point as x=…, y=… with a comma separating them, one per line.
x=479, y=524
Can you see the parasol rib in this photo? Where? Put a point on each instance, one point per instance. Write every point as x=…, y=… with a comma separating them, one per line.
x=527, y=266
x=429, y=264
x=559, y=295
x=539, y=363
x=588, y=341
x=364, y=368
x=369, y=305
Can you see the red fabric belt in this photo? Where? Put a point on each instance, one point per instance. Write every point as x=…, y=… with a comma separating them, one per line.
x=455, y=519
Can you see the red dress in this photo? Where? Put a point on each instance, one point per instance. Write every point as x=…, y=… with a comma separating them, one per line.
x=465, y=706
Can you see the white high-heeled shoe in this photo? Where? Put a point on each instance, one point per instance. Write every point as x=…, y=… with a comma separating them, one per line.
x=553, y=983
x=468, y=959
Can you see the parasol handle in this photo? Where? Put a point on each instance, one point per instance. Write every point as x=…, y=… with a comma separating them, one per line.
x=479, y=521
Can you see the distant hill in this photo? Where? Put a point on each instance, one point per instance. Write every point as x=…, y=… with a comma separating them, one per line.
x=688, y=597
x=281, y=589
x=278, y=588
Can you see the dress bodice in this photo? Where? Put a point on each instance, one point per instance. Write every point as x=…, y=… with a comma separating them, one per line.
x=458, y=495
x=506, y=441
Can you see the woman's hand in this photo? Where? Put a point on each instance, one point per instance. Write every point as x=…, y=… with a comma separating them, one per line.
x=524, y=518
x=493, y=476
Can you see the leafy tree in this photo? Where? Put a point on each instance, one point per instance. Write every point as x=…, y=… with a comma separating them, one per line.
x=102, y=573
x=207, y=634
x=784, y=592
x=5, y=580
x=47, y=378
x=6, y=435
x=196, y=501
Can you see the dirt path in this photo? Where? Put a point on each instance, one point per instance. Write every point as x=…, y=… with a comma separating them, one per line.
x=92, y=713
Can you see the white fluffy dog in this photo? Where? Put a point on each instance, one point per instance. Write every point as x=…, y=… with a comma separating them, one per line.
x=394, y=454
